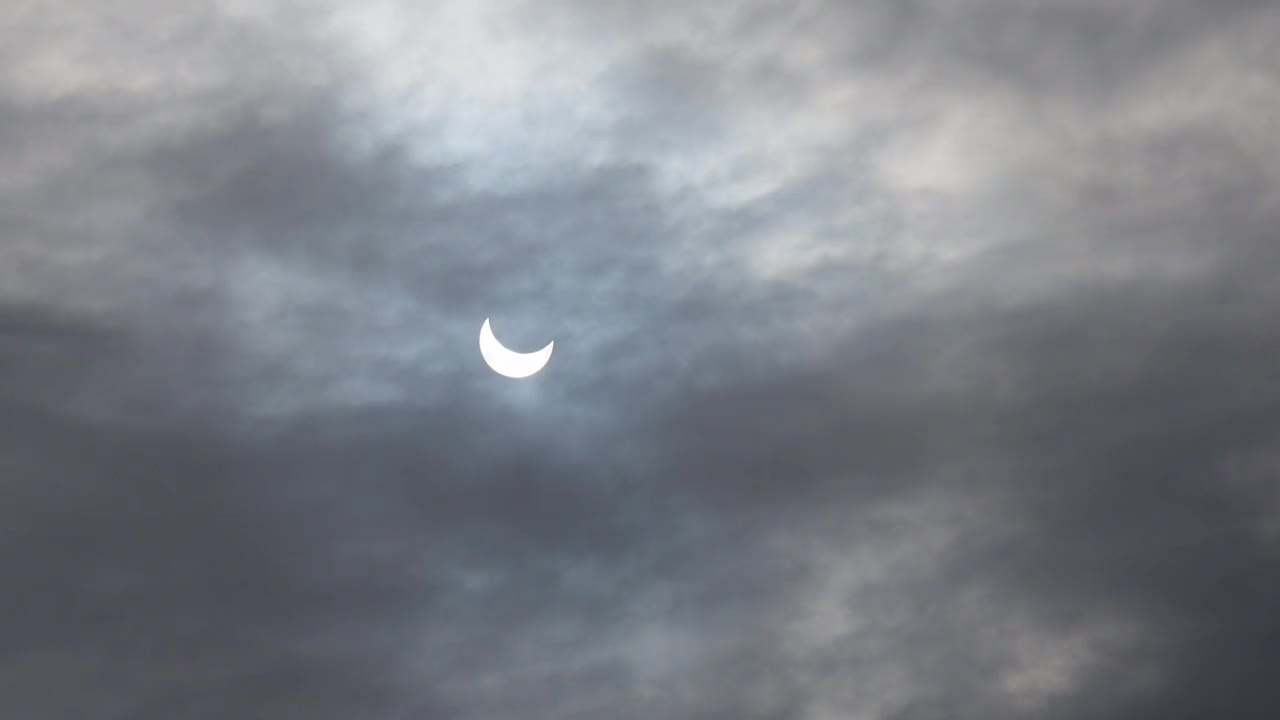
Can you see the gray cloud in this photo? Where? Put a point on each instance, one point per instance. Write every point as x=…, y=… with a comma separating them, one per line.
x=912, y=361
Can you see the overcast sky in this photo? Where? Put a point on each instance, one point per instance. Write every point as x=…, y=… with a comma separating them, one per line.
x=914, y=360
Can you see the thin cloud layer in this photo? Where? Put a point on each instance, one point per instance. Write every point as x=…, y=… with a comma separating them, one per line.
x=912, y=361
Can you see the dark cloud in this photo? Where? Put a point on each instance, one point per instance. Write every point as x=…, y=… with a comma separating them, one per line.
x=911, y=361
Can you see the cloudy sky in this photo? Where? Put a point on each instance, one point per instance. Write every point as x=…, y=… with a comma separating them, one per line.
x=914, y=359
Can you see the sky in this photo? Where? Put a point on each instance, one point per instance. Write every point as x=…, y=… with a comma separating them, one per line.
x=913, y=359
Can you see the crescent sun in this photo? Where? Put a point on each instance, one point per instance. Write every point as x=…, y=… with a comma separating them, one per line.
x=510, y=363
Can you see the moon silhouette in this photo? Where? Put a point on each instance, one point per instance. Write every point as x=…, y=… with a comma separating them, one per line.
x=510, y=363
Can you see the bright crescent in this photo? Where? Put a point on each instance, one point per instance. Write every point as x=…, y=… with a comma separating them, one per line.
x=510, y=363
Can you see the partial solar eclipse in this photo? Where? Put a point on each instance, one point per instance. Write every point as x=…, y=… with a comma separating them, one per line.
x=510, y=363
